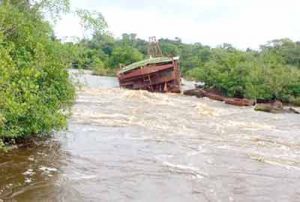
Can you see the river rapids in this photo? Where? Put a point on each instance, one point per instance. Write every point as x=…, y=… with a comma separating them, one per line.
x=124, y=145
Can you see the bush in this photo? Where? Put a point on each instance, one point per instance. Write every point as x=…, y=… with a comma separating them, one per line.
x=35, y=91
x=250, y=75
x=98, y=68
x=124, y=55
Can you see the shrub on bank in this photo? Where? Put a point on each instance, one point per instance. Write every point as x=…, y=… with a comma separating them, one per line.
x=35, y=91
x=250, y=75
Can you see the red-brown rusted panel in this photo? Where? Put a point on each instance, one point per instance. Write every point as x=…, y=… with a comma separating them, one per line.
x=155, y=82
x=145, y=70
x=158, y=78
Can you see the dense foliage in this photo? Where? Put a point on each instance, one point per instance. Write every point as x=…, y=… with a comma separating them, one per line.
x=104, y=55
x=35, y=91
x=271, y=73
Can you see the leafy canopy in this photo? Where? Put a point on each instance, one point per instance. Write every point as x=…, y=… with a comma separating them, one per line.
x=35, y=91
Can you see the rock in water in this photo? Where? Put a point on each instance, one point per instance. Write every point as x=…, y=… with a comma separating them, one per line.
x=239, y=102
x=263, y=107
x=195, y=92
x=275, y=107
x=293, y=110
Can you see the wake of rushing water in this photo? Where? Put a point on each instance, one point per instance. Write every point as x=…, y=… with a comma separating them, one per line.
x=125, y=145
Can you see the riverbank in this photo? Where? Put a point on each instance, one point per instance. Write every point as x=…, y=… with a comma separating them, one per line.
x=273, y=106
x=213, y=94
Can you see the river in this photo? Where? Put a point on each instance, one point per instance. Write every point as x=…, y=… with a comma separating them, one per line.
x=124, y=145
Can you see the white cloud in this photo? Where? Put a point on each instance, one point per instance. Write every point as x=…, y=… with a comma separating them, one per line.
x=243, y=23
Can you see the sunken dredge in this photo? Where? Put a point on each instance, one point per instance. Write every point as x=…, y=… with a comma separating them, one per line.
x=156, y=74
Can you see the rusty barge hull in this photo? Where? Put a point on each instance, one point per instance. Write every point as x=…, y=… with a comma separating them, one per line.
x=155, y=74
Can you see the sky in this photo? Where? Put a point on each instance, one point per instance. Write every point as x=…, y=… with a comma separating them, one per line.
x=242, y=23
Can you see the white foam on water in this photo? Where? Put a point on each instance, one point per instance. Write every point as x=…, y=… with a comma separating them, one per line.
x=276, y=162
x=48, y=170
x=206, y=110
x=84, y=177
x=30, y=158
x=27, y=180
x=29, y=172
x=185, y=168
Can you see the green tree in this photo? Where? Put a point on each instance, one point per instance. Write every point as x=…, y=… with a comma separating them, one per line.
x=124, y=55
x=35, y=91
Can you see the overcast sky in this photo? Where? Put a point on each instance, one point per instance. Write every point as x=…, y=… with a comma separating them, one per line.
x=243, y=23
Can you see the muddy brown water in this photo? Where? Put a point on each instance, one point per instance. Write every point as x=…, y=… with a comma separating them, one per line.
x=124, y=145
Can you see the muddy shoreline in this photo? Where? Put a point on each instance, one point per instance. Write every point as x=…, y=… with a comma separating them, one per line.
x=272, y=106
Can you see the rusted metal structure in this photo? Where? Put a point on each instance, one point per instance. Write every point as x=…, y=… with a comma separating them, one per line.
x=154, y=48
x=156, y=74
x=160, y=74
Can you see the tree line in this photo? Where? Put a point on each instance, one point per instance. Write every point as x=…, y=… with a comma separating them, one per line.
x=272, y=72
